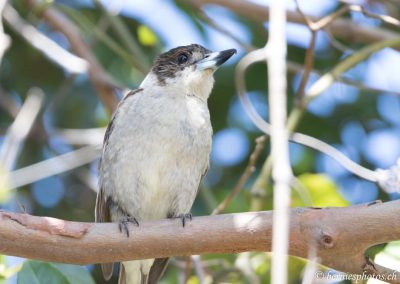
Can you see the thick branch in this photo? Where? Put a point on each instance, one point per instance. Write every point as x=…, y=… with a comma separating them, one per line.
x=340, y=236
x=340, y=28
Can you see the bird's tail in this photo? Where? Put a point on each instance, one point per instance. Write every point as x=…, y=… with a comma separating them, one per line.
x=135, y=271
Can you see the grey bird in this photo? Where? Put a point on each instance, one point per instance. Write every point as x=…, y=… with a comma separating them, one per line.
x=156, y=150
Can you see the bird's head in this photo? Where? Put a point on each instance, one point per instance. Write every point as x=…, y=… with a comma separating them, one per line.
x=187, y=69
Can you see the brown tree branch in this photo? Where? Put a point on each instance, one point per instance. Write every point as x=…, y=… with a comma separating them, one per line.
x=99, y=78
x=340, y=28
x=340, y=236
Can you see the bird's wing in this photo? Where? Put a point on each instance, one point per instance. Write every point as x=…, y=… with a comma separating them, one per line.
x=102, y=211
x=121, y=277
x=102, y=216
x=157, y=270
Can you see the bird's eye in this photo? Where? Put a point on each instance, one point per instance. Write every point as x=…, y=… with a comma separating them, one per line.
x=182, y=58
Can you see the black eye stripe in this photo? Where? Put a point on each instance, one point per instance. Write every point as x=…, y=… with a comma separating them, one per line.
x=167, y=65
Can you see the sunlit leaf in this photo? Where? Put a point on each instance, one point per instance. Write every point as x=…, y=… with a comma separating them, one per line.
x=322, y=191
x=193, y=280
x=146, y=36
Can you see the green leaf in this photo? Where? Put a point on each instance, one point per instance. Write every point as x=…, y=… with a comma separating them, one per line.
x=146, y=36
x=322, y=190
x=27, y=274
x=33, y=272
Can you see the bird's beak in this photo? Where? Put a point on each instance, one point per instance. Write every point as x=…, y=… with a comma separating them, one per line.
x=215, y=59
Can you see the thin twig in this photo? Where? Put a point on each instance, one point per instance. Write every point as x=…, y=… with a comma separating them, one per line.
x=20, y=129
x=327, y=80
x=296, y=67
x=126, y=37
x=222, y=30
x=311, y=267
x=8, y=104
x=337, y=44
x=44, y=44
x=309, y=59
x=327, y=20
x=91, y=28
x=243, y=264
x=334, y=153
x=248, y=171
x=384, y=18
x=198, y=267
x=85, y=136
x=187, y=267
x=54, y=166
x=316, y=89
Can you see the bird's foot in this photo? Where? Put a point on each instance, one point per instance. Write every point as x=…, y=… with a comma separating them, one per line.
x=184, y=217
x=123, y=224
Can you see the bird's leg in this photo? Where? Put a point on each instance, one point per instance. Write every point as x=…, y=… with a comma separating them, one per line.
x=184, y=217
x=123, y=224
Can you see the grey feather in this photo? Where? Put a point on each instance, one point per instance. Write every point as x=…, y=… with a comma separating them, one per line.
x=121, y=277
x=103, y=215
x=157, y=270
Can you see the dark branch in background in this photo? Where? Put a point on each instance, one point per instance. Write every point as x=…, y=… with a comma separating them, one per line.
x=99, y=78
x=309, y=59
x=293, y=66
x=340, y=28
x=20, y=128
x=340, y=236
x=44, y=44
x=209, y=21
x=126, y=38
x=260, y=143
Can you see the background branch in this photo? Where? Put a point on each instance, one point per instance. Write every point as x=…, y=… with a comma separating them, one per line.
x=54, y=166
x=20, y=129
x=340, y=28
x=47, y=46
x=275, y=52
x=99, y=78
x=340, y=236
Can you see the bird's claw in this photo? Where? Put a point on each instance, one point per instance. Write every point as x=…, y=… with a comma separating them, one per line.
x=184, y=217
x=123, y=224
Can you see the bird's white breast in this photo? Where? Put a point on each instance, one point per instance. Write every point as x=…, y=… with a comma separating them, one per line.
x=157, y=152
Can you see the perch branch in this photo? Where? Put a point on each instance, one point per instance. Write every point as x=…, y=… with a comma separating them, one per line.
x=340, y=236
